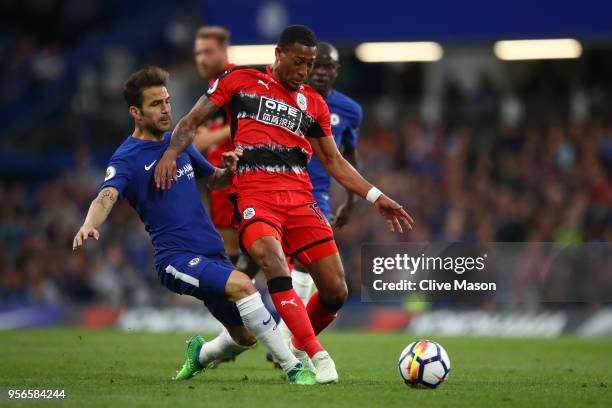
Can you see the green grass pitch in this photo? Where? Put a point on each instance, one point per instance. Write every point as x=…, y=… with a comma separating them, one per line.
x=112, y=368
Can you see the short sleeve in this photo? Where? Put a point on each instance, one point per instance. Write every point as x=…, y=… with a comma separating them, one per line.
x=201, y=166
x=323, y=122
x=351, y=133
x=118, y=174
x=225, y=86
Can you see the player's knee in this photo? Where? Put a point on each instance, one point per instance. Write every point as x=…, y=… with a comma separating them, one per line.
x=334, y=298
x=272, y=263
x=239, y=286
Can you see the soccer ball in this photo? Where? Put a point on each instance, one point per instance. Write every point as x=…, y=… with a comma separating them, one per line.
x=424, y=363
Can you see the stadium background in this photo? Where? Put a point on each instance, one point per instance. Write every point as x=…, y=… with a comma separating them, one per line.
x=476, y=148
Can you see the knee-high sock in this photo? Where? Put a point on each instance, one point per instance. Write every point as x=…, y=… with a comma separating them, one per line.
x=302, y=284
x=320, y=316
x=293, y=312
x=260, y=322
x=222, y=346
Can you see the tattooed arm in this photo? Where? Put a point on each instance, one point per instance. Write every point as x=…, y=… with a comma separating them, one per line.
x=182, y=137
x=98, y=211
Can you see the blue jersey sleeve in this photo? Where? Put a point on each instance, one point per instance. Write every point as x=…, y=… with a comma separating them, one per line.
x=201, y=166
x=118, y=174
x=351, y=133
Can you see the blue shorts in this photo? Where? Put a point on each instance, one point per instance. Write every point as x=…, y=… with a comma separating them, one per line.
x=203, y=278
x=323, y=199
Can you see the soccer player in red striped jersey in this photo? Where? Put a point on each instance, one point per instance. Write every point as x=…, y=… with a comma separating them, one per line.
x=278, y=122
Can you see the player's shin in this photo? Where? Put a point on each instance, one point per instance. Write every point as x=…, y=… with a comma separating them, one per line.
x=321, y=315
x=258, y=321
x=221, y=347
x=293, y=312
x=302, y=284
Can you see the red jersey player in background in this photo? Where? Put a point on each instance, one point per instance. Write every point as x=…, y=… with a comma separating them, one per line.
x=213, y=137
x=277, y=122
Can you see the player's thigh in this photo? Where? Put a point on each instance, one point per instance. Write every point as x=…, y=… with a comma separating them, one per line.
x=328, y=276
x=205, y=279
x=308, y=237
x=190, y=274
x=268, y=253
x=260, y=235
x=256, y=219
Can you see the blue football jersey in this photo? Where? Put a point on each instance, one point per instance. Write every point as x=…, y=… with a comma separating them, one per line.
x=175, y=219
x=345, y=116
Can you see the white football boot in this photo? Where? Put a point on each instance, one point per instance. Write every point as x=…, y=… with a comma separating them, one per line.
x=325, y=369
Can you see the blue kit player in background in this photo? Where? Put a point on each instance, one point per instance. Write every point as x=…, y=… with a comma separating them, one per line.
x=345, y=118
x=190, y=257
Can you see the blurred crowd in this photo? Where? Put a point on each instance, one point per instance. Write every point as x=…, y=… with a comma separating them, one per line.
x=457, y=154
x=530, y=183
x=534, y=183
x=37, y=225
x=34, y=37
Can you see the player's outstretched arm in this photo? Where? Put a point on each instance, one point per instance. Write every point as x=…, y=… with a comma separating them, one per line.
x=328, y=154
x=182, y=137
x=344, y=210
x=99, y=209
x=221, y=178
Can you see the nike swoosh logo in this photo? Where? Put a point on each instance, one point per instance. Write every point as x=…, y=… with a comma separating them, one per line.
x=147, y=168
x=265, y=322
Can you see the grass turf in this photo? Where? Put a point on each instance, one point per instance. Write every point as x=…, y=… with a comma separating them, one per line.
x=112, y=368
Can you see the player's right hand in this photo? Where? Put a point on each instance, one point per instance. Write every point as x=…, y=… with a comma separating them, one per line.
x=165, y=171
x=230, y=159
x=84, y=233
x=393, y=213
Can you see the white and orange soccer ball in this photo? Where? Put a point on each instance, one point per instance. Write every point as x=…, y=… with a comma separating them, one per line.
x=424, y=363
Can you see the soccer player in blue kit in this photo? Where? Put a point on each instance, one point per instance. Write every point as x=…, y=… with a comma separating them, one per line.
x=190, y=257
x=346, y=115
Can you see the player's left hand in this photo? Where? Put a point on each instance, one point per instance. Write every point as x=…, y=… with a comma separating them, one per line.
x=342, y=216
x=165, y=171
x=84, y=233
x=230, y=159
x=394, y=214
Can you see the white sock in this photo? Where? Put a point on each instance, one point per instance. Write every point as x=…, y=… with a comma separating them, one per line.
x=260, y=322
x=302, y=284
x=284, y=330
x=222, y=346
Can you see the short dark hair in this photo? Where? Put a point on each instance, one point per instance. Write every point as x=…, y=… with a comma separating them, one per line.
x=139, y=80
x=297, y=34
x=217, y=32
